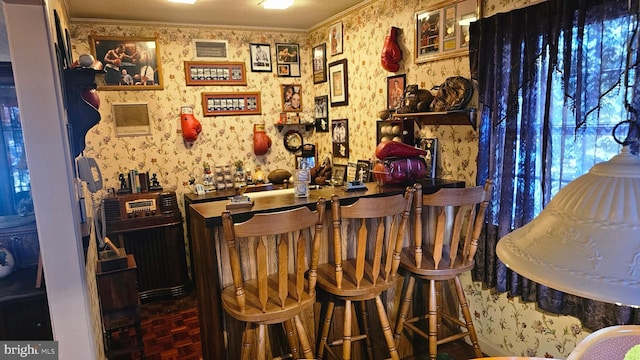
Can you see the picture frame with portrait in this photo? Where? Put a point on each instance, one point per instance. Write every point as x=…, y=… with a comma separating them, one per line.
x=291, y=95
x=339, y=83
x=288, y=59
x=395, y=90
x=340, y=138
x=321, y=113
x=260, y=57
x=335, y=39
x=130, y=63
x=319, y=63
x=338, y=172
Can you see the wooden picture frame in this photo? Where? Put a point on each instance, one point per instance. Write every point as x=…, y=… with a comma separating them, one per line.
x=319, y=60
x=130, y=63
x=231, y=103
x=131, y=119
x=338, y=172
x=200, y=73
x=339, y=83
x=291, y=95
x=442, y=32
x=260, y=58
x=288, y=56
x=340, y=138
x=395, y=90
x=335, y=39
x=321, y=113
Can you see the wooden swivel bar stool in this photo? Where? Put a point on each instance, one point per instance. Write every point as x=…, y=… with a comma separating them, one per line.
x=450, y=253
x=371, y=232
x=270, y=255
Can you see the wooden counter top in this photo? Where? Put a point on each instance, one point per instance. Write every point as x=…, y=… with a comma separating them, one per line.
x=276, y=200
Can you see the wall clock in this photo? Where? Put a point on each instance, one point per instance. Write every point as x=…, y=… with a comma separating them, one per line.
x=293, y=141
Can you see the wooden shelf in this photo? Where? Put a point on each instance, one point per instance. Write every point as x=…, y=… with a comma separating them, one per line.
x=307, y=127
x=456, y=117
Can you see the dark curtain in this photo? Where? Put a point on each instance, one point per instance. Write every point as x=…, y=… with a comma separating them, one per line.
x=515, y=58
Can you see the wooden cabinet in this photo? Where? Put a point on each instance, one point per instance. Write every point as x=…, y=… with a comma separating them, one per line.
x=24, y=311
x=396, y=129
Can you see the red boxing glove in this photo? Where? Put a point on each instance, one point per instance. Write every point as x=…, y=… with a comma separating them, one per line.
x=191, y=127
x=261, y=141
x=391, y=53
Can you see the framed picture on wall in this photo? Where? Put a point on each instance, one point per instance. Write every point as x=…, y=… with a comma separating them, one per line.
x=335, y=38
x=340, y=138
x=291, y=97
x=260, y=57
x=321, y=113
x=320, y=64
x=443, y=31
x=129, y=63
x=339, y=83
x=395, y=90
x=288, y=56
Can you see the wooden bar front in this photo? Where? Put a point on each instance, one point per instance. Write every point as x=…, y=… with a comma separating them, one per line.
x=218, y=331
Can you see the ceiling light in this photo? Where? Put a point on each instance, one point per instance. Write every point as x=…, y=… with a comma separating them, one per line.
x=183, y=1
x=276, y=4
x=585, y=242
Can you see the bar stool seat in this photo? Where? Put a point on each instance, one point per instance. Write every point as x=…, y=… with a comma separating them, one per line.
x=369, y=233
x=273, y=259
x=444, y=254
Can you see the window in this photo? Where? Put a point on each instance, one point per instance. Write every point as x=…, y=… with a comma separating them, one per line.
x=15, y=185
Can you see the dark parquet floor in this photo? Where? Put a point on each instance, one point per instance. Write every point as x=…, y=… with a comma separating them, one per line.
x=170, y=331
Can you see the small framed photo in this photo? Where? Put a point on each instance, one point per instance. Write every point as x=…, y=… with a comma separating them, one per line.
x=288, y=55
x=352, y=167
x=430, y=145
x=260, y=57
x=321, y=113
x=340, y=138
x=363, y=170
x=129, y=63
x=335, y=38
x=320, y=64
x=291, y=97
x=338, y=172
x=395, y=90
x=339, y=83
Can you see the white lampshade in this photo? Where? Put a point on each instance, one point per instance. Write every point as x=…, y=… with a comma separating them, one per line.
x=586, y=241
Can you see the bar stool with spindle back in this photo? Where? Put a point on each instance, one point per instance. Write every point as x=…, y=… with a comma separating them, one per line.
x=270, y=255
x=450, y=253
x=372, y=231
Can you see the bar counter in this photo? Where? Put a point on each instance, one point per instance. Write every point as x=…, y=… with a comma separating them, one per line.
x=220, y=334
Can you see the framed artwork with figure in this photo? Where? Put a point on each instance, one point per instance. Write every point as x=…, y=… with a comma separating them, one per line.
x=321, y=110
x=129, y=63
x=395, y=90
x=339, y=83
x=335, y=38
x=260, y=57
x=340, y=138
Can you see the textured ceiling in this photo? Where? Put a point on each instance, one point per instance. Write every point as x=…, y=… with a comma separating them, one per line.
x=302, y=15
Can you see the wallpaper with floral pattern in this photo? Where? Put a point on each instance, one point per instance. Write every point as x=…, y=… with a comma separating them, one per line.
x=505, y=326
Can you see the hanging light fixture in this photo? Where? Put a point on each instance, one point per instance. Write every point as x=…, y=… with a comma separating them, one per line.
x=586, y=241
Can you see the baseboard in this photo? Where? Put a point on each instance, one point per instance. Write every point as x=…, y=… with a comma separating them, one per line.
x=489, y=348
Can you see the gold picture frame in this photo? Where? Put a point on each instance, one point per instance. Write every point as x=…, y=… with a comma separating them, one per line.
x=442, y=32
x=129, y=63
